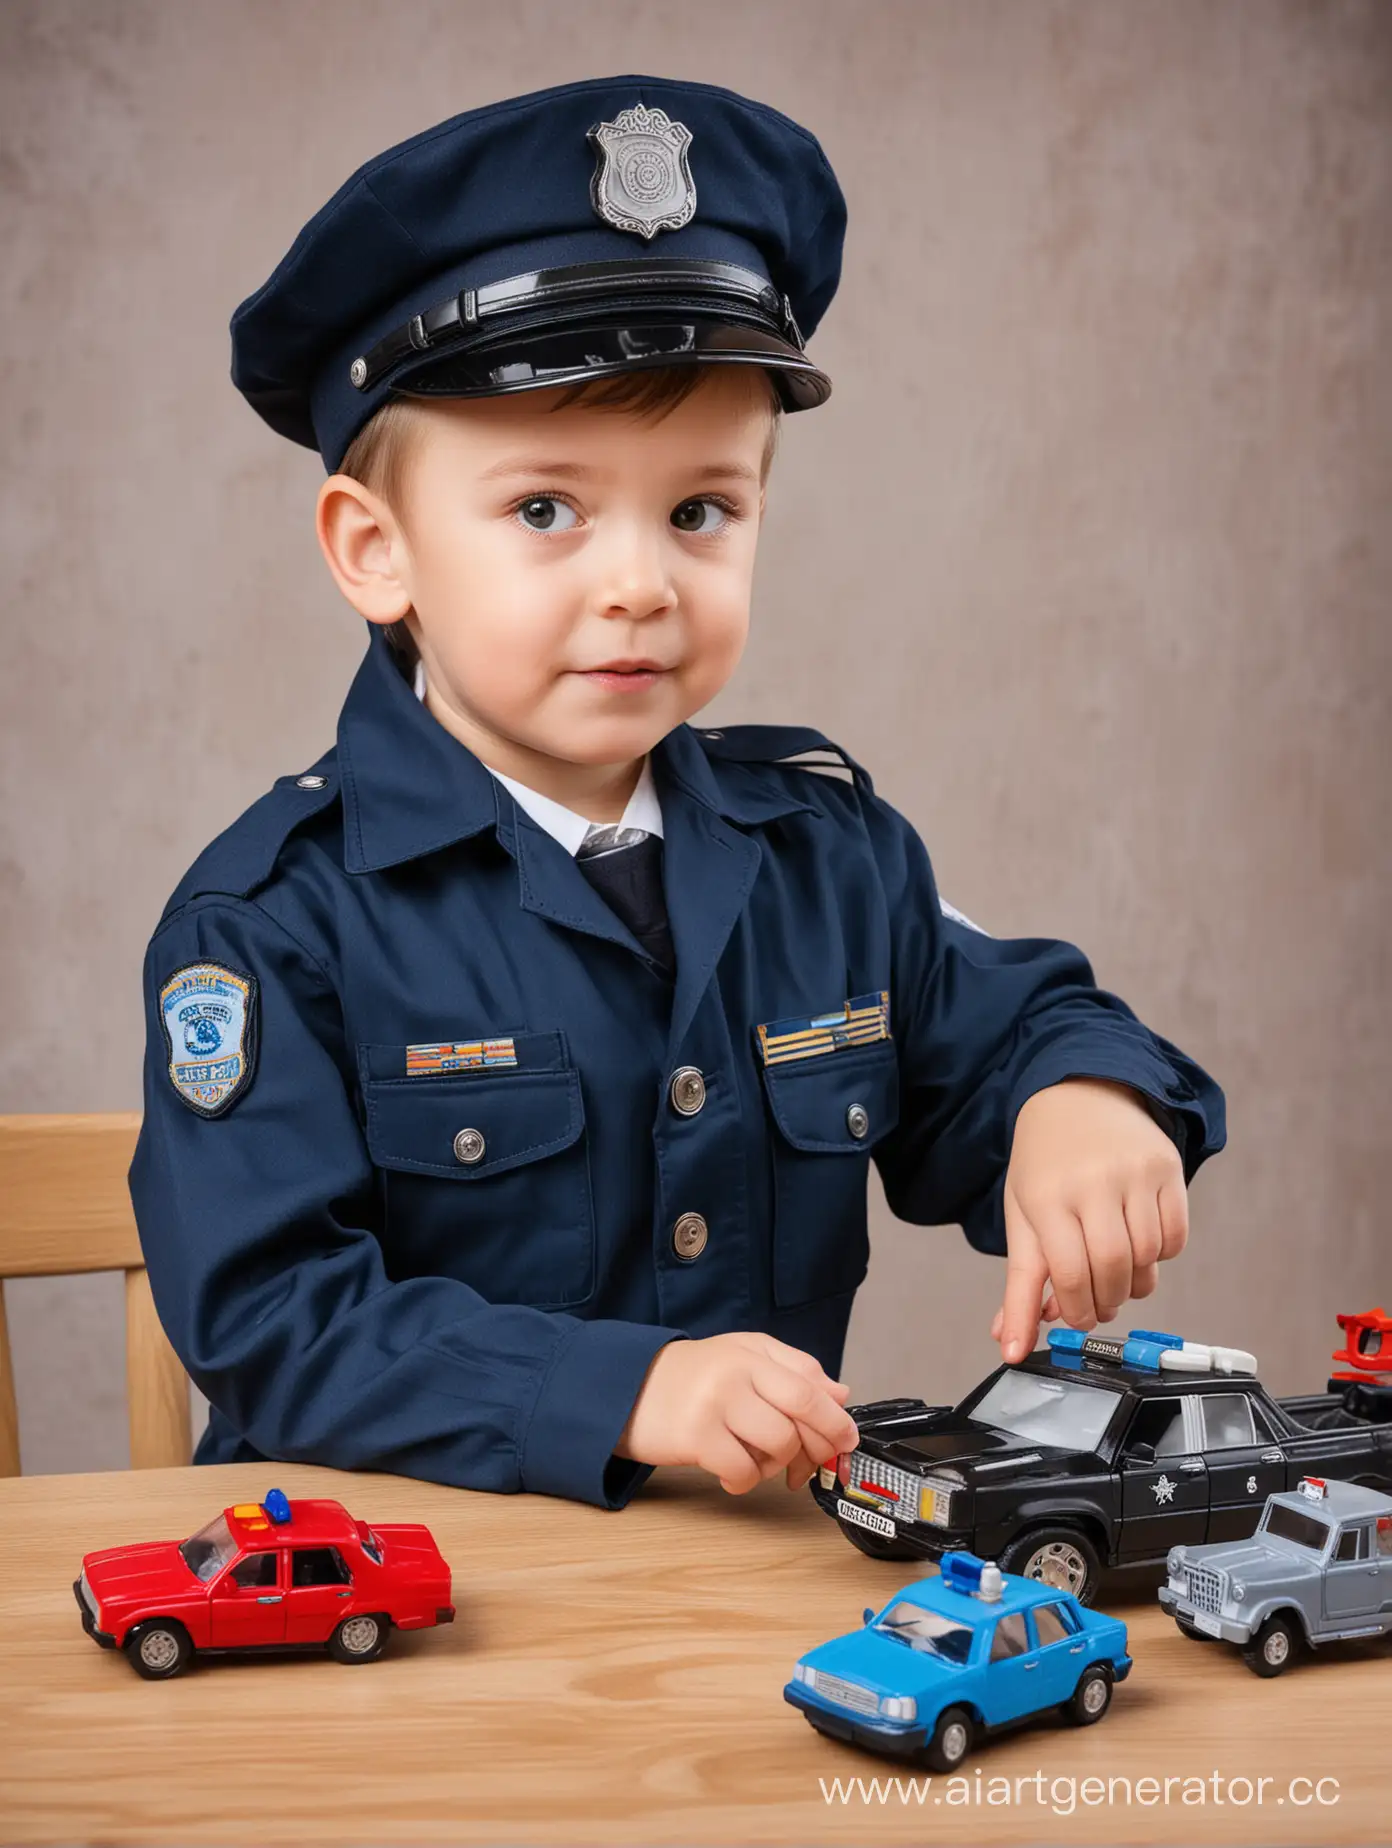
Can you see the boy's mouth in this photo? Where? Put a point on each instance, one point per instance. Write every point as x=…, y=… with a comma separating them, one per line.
x=626, y=679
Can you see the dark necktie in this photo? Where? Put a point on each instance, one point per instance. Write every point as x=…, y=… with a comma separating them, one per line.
x=624, y=865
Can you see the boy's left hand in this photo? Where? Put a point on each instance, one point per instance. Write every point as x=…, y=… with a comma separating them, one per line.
x=1094, y=1199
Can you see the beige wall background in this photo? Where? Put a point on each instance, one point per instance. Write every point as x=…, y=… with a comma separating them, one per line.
x=1087, y=558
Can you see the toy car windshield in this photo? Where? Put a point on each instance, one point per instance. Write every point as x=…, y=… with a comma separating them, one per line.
x=1286, y=1523
x=209, y=1550
x=922, y=1629
x=1065, y=1413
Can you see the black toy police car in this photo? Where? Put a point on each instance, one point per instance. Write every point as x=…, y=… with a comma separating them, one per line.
x=1092, y=1452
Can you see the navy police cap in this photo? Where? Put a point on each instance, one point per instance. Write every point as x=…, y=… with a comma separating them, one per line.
x=593, y=228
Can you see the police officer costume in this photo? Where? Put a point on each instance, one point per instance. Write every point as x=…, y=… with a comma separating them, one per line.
x=447, y=1131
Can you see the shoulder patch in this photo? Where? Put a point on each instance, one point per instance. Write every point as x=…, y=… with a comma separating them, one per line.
x=795, y=747
x=210, y=1028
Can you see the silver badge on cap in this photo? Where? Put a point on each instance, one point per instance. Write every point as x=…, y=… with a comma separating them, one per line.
x=642, y=182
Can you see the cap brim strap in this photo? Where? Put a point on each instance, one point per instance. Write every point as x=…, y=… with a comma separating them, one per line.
x=555, y=297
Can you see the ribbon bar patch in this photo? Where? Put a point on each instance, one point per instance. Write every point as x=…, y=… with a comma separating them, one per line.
x=854, y=1023
x=460, y=1056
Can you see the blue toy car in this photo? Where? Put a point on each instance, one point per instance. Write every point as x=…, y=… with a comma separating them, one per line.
x=957, y=1656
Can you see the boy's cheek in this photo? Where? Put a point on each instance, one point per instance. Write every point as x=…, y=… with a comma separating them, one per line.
x=708, y=667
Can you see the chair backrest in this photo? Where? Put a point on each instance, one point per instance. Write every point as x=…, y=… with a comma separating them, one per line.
x=65, y=1208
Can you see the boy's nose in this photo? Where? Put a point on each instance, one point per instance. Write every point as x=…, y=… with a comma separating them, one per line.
x=633, y=577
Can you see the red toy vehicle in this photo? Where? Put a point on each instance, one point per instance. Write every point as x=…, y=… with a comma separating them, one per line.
x=1367, y=1346
x=265, y=1576
x=1366, y=1386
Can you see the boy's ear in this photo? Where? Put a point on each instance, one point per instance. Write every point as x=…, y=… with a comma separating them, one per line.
x=363, y=548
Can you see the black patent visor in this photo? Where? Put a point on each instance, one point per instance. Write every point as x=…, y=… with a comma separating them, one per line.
x=563, y=326
x=570, y=357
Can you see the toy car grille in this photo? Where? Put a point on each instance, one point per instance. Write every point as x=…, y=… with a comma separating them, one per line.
x=1205, y=1588
x=847, y=1693
x=870, y=1473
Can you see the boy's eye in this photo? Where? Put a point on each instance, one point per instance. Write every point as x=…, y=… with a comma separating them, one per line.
x=699, y=516
x=543, y=513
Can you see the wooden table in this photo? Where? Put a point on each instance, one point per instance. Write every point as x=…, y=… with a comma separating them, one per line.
x=611, y=1678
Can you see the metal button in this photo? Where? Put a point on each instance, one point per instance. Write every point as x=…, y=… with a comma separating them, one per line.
x=468, y=1146
x=857, y=1120
x=357, y=372
x=310, y=782
x=688, y=1090
x=715, y=734
x=689, y=1236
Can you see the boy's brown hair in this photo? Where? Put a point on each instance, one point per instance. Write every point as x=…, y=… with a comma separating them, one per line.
x=379, y=454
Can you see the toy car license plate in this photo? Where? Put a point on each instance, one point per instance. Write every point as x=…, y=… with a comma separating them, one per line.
x=1211, y=1625
x=866, y=1517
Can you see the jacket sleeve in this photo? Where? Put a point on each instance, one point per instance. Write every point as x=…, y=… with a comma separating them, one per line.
x=257, y=1229
x=982, y=1024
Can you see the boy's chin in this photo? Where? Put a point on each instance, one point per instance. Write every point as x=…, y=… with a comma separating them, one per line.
x=598, y=747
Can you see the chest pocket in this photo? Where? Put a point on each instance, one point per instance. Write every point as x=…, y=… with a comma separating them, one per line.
x=486, y=1171
x=821, y=1166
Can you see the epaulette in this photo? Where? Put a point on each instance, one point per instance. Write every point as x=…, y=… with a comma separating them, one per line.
x=796, y=747
x=244, y=855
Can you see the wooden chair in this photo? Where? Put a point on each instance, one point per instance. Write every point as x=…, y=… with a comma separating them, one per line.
x=64, y=1208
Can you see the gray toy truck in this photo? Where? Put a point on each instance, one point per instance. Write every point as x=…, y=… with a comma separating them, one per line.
x=1317, y=1569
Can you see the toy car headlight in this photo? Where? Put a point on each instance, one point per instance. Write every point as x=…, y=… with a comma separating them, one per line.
x=92, y=1602
x=1175, y=1563
x=1237, y=1590
x=899, y=1706
x=801, y=1672
x=935, y=1501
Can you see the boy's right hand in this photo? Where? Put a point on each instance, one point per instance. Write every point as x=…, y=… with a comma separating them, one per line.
x=742, y=1406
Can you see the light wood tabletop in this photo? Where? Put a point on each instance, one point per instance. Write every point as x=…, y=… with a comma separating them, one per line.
x=618, y=1677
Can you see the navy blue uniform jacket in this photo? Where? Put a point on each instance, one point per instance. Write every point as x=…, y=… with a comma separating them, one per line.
x=346, y=1289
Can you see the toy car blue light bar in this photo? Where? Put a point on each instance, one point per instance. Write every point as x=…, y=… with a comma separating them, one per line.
x=277, y=1506
x=1153, y=1351
x=974, y=1577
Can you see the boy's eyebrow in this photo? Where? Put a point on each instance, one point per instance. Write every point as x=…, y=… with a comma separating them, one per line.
x=726, y=471
x=574, y=471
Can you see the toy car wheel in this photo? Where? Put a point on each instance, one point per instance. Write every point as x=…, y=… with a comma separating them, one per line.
x=1272, y=1647
x=159, y=1649
x=1091, y=1698
x=1063, y=1557
x=952, y=1739
x=1194, y=1634
x=359, y=1639
x=875, y=1545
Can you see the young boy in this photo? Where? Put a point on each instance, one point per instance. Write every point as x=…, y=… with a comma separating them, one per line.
x=514, y=1073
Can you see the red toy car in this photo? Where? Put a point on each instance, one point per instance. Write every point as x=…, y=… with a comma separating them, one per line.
x=265, y=1576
